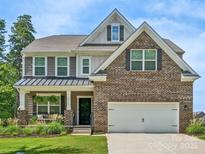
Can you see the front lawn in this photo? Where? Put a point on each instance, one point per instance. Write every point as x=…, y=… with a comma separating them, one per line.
x=63, y=144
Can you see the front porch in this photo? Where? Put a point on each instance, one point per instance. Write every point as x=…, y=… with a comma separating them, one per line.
x=75, y=102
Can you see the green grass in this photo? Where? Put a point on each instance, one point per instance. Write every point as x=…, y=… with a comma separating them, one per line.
x=63, y=144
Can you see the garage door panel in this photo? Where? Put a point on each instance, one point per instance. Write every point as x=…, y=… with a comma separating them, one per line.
x=125, y=117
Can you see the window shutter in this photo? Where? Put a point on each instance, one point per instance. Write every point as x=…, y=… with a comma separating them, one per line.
x=159, y=59
x=62, y=104
x=108, y=32
x=121, y=33
x=127, y=59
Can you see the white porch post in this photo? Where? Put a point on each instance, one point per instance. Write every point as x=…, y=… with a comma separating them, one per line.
x=22, y=95
x=68, y=94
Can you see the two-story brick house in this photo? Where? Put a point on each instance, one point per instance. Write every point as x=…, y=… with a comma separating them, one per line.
x=116, y=79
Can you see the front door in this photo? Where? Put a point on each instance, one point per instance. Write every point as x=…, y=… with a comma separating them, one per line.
x=84, y=111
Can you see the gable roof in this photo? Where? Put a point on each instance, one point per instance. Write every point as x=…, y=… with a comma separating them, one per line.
x=153, y=34
x=102, y=24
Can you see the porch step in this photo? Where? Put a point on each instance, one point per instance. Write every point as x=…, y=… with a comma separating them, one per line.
x=81, y=130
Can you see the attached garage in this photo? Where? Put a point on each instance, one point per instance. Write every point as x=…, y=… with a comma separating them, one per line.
x=143, y=117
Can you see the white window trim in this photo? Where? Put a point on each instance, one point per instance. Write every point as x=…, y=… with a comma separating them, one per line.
x=56, y=66
x=45, y=65
x=118, y=25
x=48, y=103
x=143, y=60
x=81, y=65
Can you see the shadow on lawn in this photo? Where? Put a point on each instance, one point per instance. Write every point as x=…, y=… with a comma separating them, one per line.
x=47, y=149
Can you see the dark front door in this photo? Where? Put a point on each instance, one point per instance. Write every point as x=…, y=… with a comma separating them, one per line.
x=84, y=111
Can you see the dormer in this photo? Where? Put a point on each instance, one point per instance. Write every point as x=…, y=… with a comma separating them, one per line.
x=114, y=29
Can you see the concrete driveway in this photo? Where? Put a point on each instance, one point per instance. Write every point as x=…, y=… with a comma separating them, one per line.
x=121, y=143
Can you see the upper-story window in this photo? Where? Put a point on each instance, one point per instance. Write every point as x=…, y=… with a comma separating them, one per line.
x=85, y=65
x=39, y=66
x=143, y=59
x=61, y=66
x=115, y=32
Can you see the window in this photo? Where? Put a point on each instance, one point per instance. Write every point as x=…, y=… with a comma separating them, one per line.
x=49, y=107
x=115, y=32
x=85, y=65
x=143, y=59
x=62, y=66
x=39, y=66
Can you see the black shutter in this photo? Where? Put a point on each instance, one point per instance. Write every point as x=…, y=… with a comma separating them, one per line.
x=159, y=59
x=127, y=59
x=121, y=33
x=62, y=104
x=108, y=32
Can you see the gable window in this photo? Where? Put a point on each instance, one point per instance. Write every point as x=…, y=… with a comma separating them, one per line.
x=143, y=59
x=85, y=65
x=115, y=32
x=61, y=66
x=39, y=66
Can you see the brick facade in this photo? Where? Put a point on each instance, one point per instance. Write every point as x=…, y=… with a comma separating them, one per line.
x=149, y=86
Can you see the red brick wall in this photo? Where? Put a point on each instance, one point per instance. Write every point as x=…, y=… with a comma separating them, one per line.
x=127, y=86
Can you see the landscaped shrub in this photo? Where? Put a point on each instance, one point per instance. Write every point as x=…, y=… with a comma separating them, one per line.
x=195, y=127
x=1, y=130
x=41, y=130
x=29, y=131
x=56, y=117
x=33, y=120
x=12, y=130
x=55, y=128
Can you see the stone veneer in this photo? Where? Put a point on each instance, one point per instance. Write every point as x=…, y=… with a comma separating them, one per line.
x=148, y=86
x=68, y=118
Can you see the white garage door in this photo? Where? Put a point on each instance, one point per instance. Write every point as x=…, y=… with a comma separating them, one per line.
x=142, y=117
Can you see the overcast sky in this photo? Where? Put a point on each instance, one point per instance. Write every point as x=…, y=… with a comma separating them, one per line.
x=182, y=21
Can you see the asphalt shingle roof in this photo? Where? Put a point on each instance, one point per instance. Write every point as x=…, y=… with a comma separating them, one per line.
x=68, y=43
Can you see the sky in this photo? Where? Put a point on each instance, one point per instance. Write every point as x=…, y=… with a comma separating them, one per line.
x=182, y=21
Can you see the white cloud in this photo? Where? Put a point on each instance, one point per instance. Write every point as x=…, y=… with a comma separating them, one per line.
x=202, y=35
x=178, y=8
x=54, y=17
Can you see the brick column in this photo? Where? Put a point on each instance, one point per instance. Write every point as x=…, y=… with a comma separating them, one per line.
x=22, y=115
x=68, y=118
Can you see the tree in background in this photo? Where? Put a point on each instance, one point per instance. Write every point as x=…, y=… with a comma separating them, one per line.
x=22, y=35
x=2, y=39
x=7, y=92
x=10, y=64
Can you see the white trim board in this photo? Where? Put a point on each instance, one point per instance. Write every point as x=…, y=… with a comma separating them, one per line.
x=145, y=27
x=115, y=11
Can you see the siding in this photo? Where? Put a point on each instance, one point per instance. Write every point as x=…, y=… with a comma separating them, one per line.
x=96, y=61
x=28, y=66
x=51, y=66
x=73, y=66
x=101, y=37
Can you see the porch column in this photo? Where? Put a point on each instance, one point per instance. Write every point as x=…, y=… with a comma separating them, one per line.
x=68, y=105
x=68, y=113
x=22, y=114
x=22, y=95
